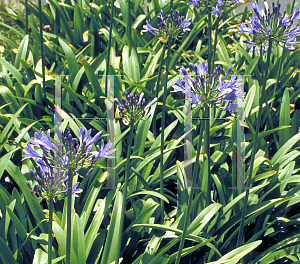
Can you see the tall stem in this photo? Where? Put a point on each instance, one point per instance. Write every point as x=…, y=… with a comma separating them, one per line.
x=50, y=207
x=69, y=207
x=215, y=44
x=189, y=208
x=209, y=44
x=275, y=89
x=42, y=50
x=207, y=151
x=157, y=85
x=109, y=44
x=207, y=109
x=240, y=240
x=128, y=162
x=26, y=15
x=162, y=139
x=127, y=172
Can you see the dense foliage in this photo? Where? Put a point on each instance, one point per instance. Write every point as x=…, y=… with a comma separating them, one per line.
x=154, y=63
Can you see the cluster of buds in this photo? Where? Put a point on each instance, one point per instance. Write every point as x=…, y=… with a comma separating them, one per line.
x=207, y=91
x=215, y=5
x=133, y=108
x=271, y=25
x=173, y=26
x=51, y=184
x=57, y=161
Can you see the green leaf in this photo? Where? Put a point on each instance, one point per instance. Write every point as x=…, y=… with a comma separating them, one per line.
x=6, y=255
x=11, y=69
x=78, y=240
x=235, y=255
x=285, y=148
x=114, y=235
x=40, y=257
x=131, y=64
x=17, y=223
x=32, y=202
x=9, y=97
x=22, y=51
x=72, y=63
x=149, y=193
x=284, y=118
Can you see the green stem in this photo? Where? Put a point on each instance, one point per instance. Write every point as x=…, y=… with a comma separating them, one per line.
x=278, y=73
x=157, y=85
x=171, y=4
x=293, y=4
x=215, y=44
x=42, y=51
x=162, y=139
x=50, y=207
x=127, y=172
x=189, y=208
x=129, y=18
x=26, y=15
x=69, y=202
x=275, y=89
x=128, y=162
x=109, y=44
x=240, y=240
x=209, y=44
x=207, y=151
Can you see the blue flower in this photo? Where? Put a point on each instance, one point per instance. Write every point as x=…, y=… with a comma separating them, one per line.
x=51, y=184
x=173, y=26
x=42, y=140
x=56, y=161
x=84, y=139
x=31, y=153
x=277, y=27
x=194, y=3
x=203, y=91
x=134, y=107
x=215, y=5
x=75, y=191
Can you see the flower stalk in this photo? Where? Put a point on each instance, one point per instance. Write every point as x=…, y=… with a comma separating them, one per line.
x=189, y=206
x=69, y=213
x=157, y=85
x=50, y=207
x=162, y=139
x=207, y=151
x=240, y=240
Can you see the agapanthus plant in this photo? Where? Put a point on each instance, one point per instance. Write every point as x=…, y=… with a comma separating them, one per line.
x=134, y=108
x=205, y=91
x=56, y=161
x=216, y=5
x=172, y=26
x=274, y=26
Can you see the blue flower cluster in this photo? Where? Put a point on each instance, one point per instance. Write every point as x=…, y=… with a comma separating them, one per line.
x=133, y=108
x=271, y=25
x=173, y=26
x=216, y=5
x=56, y=161
x=204, y=91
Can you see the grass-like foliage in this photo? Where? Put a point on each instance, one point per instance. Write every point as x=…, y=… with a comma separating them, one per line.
x=175, y=137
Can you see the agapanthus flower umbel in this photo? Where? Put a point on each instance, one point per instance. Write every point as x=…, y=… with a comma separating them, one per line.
x=72, y=154
x=51, y=184
x=275, y=25
x=216, y=5
x=204, y=91
x=133, y=108
x=173, y=26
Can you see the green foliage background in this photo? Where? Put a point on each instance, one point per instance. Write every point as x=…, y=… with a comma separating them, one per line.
x=75, y=44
